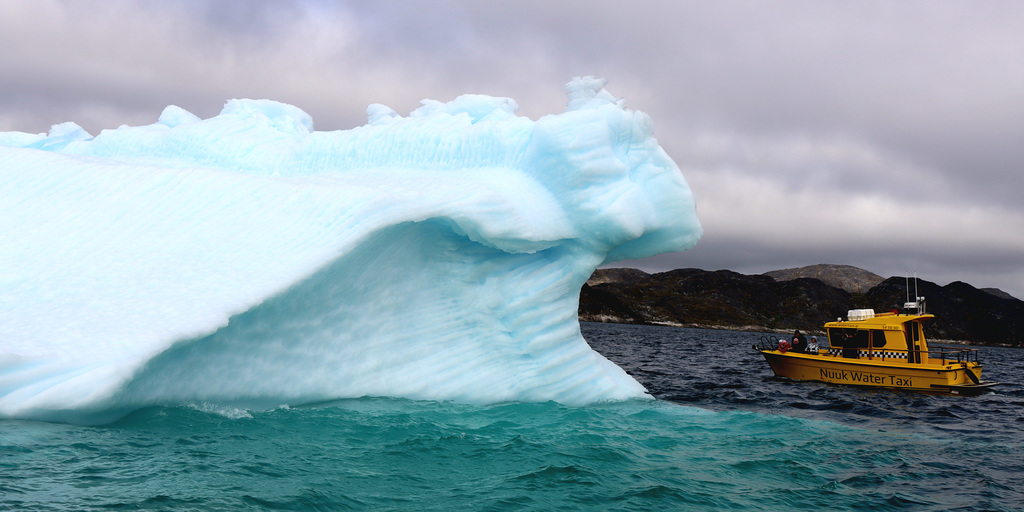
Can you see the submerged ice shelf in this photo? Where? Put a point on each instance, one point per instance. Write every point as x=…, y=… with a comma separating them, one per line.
x=249, y=259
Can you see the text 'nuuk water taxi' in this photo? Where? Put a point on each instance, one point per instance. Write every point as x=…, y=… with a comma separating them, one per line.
x=886, y=350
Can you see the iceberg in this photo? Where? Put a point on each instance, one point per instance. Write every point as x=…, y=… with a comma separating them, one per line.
x=248, y=259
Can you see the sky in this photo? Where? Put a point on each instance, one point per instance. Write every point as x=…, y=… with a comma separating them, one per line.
x=887, y=135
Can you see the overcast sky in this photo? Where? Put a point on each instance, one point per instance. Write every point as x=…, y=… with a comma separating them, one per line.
x=887, y=135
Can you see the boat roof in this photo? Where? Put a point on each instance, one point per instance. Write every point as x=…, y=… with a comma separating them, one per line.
x=881, y=321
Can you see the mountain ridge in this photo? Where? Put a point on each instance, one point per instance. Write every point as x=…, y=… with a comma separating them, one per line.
x=797, y=299
x=845, y=277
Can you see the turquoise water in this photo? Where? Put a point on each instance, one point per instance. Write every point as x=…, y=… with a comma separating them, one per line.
x=790, y=449
x=398, y=454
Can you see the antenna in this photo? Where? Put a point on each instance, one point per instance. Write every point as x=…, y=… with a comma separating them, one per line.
x=918, y=303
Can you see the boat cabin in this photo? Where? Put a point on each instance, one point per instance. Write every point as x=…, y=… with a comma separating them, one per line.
x=886, y=336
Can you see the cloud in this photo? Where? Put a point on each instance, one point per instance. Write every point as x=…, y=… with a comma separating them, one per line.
x=138, y=57
x=880, y=134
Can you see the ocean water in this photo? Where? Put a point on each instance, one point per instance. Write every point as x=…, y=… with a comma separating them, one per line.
x=722, y=434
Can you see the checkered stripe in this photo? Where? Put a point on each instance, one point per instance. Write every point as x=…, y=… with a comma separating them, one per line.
x=864, y=353
x=886, y=355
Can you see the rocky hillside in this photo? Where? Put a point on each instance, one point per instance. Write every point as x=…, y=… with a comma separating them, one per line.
x=726, y=299
x=844, y=277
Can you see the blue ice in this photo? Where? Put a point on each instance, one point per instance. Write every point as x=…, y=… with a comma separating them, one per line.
x=249, y=259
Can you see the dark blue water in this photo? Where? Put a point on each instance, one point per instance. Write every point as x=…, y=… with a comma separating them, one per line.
x=723, y=435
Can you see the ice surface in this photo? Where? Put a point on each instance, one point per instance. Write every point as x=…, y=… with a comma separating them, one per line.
x=248, y=259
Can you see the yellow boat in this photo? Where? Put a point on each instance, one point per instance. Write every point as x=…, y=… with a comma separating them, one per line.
x=886, y=350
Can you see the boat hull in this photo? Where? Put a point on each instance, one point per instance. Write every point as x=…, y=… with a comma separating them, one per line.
x=942, y=378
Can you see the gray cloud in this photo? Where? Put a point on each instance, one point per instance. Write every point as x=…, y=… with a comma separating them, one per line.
x=879, y=134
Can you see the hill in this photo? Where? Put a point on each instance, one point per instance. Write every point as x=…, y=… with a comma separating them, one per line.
x=726, y=299
x=844, y=277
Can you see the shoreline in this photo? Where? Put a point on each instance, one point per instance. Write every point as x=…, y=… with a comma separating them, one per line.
x=609, y=319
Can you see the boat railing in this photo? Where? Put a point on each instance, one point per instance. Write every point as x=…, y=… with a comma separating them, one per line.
x=958, y=354
x=947, y=355
x=771, y=342
x=767, y=342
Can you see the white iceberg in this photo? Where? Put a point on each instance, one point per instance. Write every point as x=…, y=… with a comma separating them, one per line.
x=248, y=259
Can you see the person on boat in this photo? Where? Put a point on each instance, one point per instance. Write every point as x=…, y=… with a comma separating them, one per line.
x=783, y=346
x=799, y=342
x=812, y=347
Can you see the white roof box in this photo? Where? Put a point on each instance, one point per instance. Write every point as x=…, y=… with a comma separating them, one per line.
x=854, y=315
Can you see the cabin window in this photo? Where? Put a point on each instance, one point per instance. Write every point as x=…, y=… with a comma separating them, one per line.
x=843, y=337
x=913, y=331
x=860, y=339
x=835, y=337
x=913, y=342
x=877, y=339
x=849, y=340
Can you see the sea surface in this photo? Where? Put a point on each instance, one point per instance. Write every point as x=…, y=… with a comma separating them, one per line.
x=722, y=434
